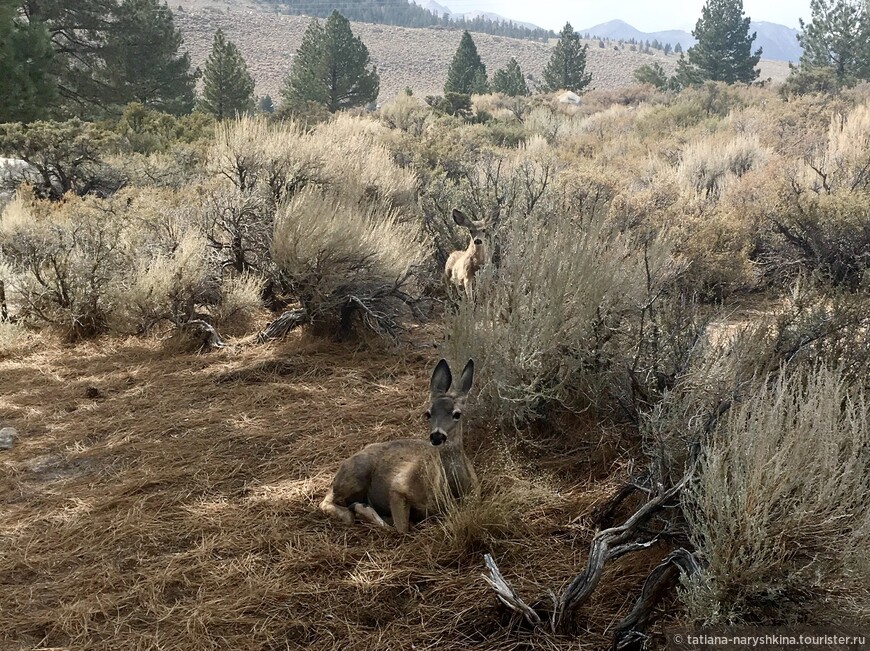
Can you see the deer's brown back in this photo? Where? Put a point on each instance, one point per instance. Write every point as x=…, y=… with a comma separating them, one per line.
x=412, y=467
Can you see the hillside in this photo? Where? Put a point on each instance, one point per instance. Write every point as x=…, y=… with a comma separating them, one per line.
x=405, y=57
x=778, y=42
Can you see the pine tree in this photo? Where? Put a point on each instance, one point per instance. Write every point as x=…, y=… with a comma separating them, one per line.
x=265, y=104
x=837, y=37
x=510, y=81
x=26, y=87
x=567, y=66
x=332, y=68
x=651, y=74
x=724, y=48
x=228, y=88
x=143, y=63
x=467, y=73
x=686, y=75
x=678, y=49
x=77, y=32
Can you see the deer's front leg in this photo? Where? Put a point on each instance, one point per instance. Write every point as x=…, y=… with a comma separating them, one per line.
x=400, y=509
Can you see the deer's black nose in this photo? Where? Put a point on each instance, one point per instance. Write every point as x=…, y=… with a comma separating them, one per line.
x=478, y=241
x=437, y=437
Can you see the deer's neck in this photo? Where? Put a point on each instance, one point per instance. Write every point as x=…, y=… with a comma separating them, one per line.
x=476, y=253
x=457, y=467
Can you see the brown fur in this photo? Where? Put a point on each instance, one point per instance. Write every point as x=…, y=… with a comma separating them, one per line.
x=409, y=479
x=462, y=266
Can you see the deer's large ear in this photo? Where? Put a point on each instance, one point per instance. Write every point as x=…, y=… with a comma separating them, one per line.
x=466, y=379
x=460, y=218
x=441, y=379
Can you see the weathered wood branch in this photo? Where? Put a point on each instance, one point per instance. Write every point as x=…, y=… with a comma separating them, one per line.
x=612, y=543
x=630, y=633
x=286, y=322
x=506, y=594
x=200, y=335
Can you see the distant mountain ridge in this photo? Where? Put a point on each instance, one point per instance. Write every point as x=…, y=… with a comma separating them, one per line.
x=778, y=42
x=441, y=10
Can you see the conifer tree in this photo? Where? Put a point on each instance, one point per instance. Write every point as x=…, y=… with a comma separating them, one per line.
x=228, y=88
x=332, y=68
x=265, y=104
x=724, y=48
x=652, y=74
x=143, y=63
x=837, y=37
x=510, y=81
x=467, y=73
x=26, y=87
x=567, y=66
x=77, y=34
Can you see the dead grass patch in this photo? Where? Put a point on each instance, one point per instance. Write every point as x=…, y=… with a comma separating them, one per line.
x=169, y=501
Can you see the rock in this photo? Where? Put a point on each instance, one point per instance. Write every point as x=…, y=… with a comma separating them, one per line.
x=7, y=437
x=569, y=98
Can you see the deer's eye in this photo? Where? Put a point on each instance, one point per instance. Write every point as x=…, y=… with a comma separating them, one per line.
x=457, y=415
x=427, y=414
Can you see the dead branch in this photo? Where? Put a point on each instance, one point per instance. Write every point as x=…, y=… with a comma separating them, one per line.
x=506, y=594
x=279, y=328
x=630, y=633
x=196, y=335
x=607, y=545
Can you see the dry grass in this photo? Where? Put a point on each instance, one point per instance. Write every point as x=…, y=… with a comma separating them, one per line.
x=156, y=501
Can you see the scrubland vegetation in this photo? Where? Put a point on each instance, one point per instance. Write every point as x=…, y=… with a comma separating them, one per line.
x=675, y=317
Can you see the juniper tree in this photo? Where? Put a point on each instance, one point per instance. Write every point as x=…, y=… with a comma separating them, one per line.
x=143, y=63
x=510, y=81
x=724, y=48
x=332, y=68
x=228, y=89
x=567, y=66
x=467, y=73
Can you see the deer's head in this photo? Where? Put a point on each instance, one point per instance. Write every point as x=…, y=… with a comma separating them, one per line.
x=445, y=408
x=478, y=229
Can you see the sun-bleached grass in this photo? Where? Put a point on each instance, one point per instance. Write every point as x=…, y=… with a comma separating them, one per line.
x=844, y=164
x=780, y=506
x=14, y=338
x=708, y=165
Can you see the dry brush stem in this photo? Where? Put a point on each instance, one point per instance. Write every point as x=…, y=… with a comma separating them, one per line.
x=607, y=545
x=630, y=634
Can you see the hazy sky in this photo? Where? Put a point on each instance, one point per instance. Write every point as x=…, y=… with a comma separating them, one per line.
x=645, y=15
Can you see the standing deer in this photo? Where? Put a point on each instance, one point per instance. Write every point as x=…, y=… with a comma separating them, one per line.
x=409, y=478
x=462, y=266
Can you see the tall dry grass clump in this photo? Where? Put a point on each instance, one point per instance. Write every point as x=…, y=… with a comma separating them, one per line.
x=357, y=166
x=844, y=163
x=709, y=164
x=542, y=324
x=406, y=113
x=343, y=259
x=779, y=512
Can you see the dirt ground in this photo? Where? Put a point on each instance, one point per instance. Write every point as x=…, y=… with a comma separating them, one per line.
x=164, y=501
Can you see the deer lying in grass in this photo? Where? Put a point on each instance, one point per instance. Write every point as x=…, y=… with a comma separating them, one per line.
x=462, y=266
x=409, y=478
